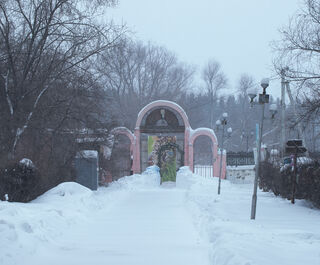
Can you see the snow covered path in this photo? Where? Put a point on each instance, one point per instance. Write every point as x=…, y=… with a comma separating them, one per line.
x=147, y=227
x=137, y=221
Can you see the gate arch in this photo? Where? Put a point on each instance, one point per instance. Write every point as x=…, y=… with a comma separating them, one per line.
x=164, y=118
x=126, y=132
x=182, y=127
x=209, y=133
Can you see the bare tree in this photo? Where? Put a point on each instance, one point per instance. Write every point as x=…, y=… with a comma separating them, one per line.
x=246, y=83
x=244, y=117
x=298, y=52
x=42, y=43
x=214, y=80
x=138, y=74
x=298, y=59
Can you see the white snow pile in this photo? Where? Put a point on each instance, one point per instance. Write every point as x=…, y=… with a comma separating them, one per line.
x=87, y=154
x=282, y=233
x=26, y=162
x=300, y=161
x=26, y=226
x=185, y=178
x=148, y=179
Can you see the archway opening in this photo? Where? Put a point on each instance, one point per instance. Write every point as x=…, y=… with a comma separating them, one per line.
x=203, y=156
x=120, y=160
x=159, y=126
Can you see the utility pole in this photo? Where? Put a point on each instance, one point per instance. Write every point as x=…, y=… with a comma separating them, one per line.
x=263, y=99
x=221, y=157
x=283, y=113
x=222, y=123
x=257, y=168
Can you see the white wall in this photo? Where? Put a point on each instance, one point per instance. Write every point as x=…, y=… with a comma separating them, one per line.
x=241, y=174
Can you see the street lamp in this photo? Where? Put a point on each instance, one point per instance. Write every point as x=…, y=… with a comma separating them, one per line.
x=262, y=100
x=222, y=123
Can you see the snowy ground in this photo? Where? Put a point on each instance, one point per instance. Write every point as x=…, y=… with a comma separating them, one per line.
x=135, y=221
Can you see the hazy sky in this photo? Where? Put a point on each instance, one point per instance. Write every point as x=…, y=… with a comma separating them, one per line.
x=237, y=33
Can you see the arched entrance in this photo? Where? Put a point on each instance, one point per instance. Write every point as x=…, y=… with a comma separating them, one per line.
x=122, y=153
x=120, y=160
x=158, y=122
x=204, y=132
x=165, y=123
x=203, y=156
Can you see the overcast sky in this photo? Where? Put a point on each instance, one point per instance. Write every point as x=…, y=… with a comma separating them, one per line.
x=237, y=33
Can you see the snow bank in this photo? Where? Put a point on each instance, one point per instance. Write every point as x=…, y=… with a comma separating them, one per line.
x=185, y=178
x=63, y=191
x=24, y=227
x=148, y=179
x=281, y=234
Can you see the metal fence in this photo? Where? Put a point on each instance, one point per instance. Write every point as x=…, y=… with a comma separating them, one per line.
x=240, y=159
x=204, y=171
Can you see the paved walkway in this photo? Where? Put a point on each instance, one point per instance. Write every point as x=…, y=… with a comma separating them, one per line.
x=147, y=227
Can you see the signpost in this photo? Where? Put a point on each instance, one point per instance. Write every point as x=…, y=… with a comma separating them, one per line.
x=294, y=147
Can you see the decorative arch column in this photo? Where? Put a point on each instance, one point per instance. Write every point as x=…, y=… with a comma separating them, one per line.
x=125, y=131
x=181, y=115
x=208, y=133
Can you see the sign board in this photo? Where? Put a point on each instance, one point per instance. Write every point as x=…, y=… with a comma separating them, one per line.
x=263, y=98
x=294, y=142
x=293, y=150
x=295, y=147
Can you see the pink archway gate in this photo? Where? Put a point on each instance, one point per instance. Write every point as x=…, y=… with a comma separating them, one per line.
x=189, y=135
x=210, y=134
x=137, y=132
x=125, y=131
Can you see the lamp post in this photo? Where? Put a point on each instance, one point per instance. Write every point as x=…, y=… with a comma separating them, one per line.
x=222, y=123
x=263, y=99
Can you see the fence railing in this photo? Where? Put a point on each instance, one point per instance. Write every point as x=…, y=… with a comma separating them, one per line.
x=240, y=159
x=204, y=171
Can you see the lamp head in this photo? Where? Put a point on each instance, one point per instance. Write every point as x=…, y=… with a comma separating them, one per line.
x=225, y=115
x=265, y=83
x=252, y=96
x=252, y=93
x=218, y=123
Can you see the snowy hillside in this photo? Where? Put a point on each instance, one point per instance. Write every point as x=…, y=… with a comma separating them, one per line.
x=137, y=221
